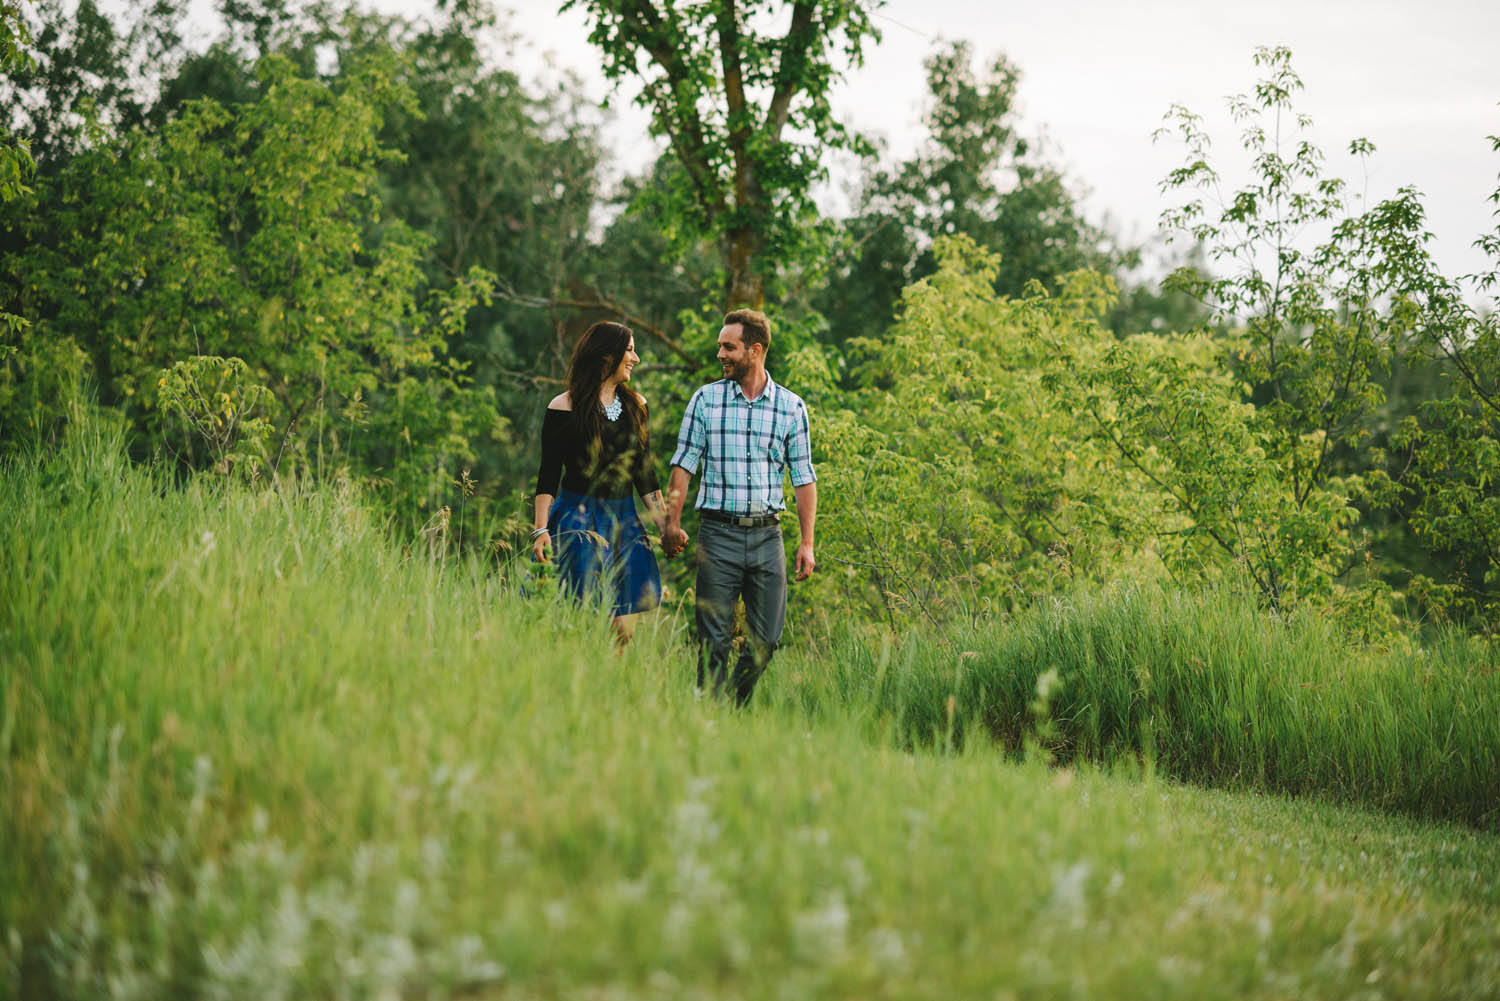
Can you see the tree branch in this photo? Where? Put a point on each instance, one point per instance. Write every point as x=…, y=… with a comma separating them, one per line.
x=509, y=294
x=676, y=108
x=291, y=426
x=799, y=38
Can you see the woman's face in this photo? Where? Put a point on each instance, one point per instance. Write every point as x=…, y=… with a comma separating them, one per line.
x=622, y=371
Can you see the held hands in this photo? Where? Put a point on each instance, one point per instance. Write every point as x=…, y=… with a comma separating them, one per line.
x=805, y=562
x=673, y=541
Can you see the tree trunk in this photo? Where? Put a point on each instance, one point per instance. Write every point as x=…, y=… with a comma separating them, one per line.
x=743, y=284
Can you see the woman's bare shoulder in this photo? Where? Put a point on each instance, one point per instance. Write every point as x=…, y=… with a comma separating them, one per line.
x=562, y=401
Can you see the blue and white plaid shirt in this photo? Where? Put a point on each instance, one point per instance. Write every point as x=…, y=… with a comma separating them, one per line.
x=749, y=445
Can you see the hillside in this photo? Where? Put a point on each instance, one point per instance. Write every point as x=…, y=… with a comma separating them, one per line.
x=252, y=748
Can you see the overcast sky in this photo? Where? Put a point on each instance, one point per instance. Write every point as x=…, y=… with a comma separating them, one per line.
x=1421, y=80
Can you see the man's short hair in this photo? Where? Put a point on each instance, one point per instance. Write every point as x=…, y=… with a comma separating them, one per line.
x=756, y=328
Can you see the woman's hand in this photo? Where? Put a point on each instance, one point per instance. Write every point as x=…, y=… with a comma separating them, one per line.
x=673, y=541
x=541, y=545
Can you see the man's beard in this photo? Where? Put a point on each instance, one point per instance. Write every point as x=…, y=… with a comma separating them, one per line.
x=736, y=371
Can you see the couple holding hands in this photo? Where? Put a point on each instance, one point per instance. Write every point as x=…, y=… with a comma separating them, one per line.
x=744, y=432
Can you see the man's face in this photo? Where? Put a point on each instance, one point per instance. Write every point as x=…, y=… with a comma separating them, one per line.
x=734, y=355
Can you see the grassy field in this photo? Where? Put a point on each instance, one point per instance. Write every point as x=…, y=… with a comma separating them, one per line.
x=250, y=748
x=1208, y=687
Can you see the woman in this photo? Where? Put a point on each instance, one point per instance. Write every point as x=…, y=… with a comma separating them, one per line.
x=595, y=455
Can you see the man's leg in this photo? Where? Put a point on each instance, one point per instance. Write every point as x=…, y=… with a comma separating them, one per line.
x=720, y=579
x=765, y=608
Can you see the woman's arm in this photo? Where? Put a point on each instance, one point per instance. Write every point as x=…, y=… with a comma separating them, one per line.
x=549, y=474
x=656, y=507
x=647, y=483
x=541, y=539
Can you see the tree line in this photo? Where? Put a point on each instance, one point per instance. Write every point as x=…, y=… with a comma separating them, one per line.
x=335, y=243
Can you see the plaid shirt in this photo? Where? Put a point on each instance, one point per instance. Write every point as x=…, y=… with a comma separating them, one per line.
x=749, y=445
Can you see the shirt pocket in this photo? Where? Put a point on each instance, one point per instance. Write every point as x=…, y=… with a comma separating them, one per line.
x=775, y=450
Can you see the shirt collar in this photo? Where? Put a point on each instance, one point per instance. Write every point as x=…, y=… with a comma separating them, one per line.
x=766, y=395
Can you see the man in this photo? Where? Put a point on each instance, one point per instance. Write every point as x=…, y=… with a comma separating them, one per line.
x=746, y=433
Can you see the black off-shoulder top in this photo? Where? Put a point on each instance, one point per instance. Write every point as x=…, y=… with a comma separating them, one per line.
x=609, y=468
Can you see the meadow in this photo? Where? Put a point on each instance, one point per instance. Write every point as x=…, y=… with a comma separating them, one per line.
x=252, y=746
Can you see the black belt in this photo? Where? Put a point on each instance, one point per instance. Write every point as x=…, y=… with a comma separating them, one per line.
x=743, y=521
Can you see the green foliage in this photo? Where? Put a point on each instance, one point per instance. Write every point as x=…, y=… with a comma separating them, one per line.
x=1275, y=485
x=747, y=168
x=16, y=163
x=959, y=470
x=975, y=175
x=257, y=232
x=1454, y=440
x=1185, y=428
x=490, y=174
x=1316, y=333
x=88, y=67
x=494, y=175
x=1333, y=440
x=1323, y=327
x=1456, y=461
x=215, y=397
x=1046, y=450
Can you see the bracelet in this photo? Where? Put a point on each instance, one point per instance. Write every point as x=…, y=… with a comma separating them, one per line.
x=538, y=533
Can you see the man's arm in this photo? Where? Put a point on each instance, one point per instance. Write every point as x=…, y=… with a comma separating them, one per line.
x=692, y=440
x=807, y=516
x=673, y=538
x=804, y=488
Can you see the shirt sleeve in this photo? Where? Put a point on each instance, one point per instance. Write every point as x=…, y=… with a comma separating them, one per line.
x=554, y=438
x=693, y=438
x=644, y=474
x=799, y=449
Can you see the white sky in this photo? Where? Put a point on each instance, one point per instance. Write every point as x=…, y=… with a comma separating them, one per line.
x=1421, y=80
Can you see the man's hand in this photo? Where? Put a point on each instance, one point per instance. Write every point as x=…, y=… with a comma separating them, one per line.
x=805, y=562
x=673, y=541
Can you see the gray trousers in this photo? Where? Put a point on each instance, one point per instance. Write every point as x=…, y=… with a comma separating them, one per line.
x=735, y=562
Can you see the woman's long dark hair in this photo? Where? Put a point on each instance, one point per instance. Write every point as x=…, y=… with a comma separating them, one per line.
x=598, y=353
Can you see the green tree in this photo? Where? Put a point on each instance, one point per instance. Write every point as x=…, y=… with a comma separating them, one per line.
x=969, y=476
x=492, y=174
x=976, y=174
x=497, y=177
x=16, y=163
x=1453, y=440
x=1315, y=292
x=745, y=112
x=1045, y=446
x=256, y=233
x=1174, y=414
x=89, y=68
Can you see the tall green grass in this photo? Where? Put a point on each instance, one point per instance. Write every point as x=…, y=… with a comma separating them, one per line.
x=251, y=748
x=1206, y=687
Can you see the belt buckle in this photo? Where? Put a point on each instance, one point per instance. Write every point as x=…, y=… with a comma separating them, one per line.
x=748, y=521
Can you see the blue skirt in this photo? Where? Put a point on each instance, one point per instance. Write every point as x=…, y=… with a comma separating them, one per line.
x=602, y=552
